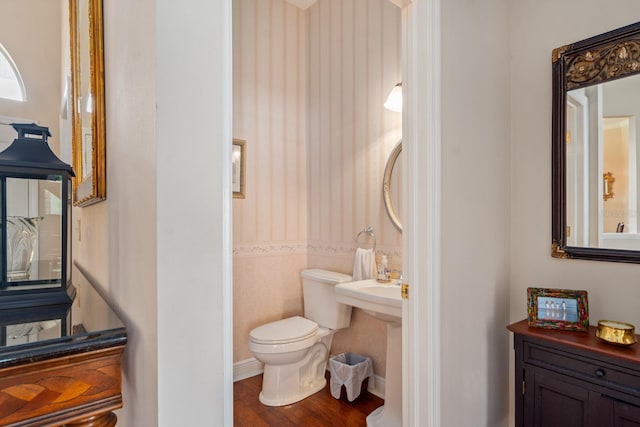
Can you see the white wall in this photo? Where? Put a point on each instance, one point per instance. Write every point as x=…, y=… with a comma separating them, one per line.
x=118, y=236
x=475, y=213
x=614, y=291
x=481, y=195
x=36, y=51
x=193, y=177
x=162, y=275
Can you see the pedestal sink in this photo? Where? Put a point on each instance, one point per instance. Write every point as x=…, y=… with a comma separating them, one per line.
x=383, y=301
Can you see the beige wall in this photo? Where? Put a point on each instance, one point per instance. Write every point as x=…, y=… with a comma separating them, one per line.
x=308, y=93
x=474, y=300
x=616, y=161
x=118, y=236
x=531, y=169
x=613, y=287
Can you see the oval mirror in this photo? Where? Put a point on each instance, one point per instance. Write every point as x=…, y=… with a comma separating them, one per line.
x=392, y=186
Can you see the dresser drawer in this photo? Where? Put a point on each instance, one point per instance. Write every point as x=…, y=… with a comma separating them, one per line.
x=596, y=371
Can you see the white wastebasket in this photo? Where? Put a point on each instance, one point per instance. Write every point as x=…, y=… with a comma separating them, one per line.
x=350, y=370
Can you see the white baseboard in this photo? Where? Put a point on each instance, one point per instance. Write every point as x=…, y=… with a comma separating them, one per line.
x=380, y=386
x=246, y=369
x=251, y=367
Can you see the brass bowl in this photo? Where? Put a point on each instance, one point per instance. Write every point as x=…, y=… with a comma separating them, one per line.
x=614, y=332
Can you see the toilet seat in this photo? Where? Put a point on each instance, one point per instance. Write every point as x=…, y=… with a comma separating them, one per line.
x=290, y=334
x=284, y=331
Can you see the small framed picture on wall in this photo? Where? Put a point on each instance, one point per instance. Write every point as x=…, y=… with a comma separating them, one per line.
x=238, y=166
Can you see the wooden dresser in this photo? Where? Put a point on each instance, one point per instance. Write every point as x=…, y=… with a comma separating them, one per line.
x=61, y=366
x=567, y=379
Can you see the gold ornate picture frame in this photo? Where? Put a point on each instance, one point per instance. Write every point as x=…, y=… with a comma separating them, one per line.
x=88, y=140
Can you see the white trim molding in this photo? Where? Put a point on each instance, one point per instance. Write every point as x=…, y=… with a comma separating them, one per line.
x=378, y=387
x=422, y=238
x=246, y=369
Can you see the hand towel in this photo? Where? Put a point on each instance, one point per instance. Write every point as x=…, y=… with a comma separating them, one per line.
x=364, y=265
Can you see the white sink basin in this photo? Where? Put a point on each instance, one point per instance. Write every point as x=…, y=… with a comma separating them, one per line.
x=381, y=300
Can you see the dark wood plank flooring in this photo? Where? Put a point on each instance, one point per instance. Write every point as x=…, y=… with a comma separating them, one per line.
x=318, y=410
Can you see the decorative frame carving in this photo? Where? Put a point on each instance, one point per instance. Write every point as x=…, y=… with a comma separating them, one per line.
x=603, y=63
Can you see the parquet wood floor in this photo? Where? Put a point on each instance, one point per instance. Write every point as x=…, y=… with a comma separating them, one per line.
x=318, y=410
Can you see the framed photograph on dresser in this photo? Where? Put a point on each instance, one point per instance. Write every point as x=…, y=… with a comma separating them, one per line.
x=558, y=309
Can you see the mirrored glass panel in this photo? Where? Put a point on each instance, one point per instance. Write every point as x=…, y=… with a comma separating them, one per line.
x=24, y=333
x=34, y=231
x=602, y=165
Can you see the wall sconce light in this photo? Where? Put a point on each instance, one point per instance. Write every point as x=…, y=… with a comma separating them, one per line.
x=394, y=99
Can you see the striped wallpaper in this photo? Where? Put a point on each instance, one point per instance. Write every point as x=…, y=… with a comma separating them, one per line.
x=269, y=112
x=308, y=92
x=354, y=51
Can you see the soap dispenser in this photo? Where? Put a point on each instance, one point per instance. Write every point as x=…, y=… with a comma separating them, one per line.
x=383, y=269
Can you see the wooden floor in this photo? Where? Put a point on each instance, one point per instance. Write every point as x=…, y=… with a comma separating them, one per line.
x=318, y=410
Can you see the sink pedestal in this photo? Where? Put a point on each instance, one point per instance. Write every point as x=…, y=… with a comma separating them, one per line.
x=382, y=301
x=390, y=414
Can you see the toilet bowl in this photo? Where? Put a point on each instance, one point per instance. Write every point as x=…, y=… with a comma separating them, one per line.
x=295, y=350
x=294, y=362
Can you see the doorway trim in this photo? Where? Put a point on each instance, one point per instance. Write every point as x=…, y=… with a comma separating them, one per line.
x=421, y=235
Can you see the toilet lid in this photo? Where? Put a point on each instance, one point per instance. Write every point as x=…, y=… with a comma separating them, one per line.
x=284, y=331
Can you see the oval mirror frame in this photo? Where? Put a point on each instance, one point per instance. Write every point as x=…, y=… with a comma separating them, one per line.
x=386, y=187
x=602, y=58
x=88, y=116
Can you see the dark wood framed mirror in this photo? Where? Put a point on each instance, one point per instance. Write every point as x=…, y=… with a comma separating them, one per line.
x=87, y=106
x=595, y=135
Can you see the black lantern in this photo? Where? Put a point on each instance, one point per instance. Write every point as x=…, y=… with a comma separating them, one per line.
x=35, y=215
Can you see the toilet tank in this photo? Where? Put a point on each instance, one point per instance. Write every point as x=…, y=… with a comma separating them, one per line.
x=320, y=304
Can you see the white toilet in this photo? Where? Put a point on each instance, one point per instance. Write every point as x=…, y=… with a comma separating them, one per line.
x=295, y=350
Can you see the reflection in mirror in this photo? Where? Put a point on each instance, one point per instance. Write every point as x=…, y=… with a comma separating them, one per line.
x=33, y=207
x=23, y=333
x=392, y=187
x=595, y=144
x=607, y=189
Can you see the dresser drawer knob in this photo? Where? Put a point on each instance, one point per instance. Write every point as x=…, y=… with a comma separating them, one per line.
x=600, y=373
